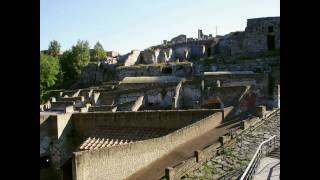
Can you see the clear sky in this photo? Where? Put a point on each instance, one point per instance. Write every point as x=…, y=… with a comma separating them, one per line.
x=123, y=25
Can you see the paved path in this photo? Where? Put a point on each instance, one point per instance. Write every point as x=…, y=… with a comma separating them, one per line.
x=268, y=169
x=232, y=163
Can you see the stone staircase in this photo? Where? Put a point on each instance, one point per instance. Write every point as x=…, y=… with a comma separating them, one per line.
x=275, y=153
x=231, y=163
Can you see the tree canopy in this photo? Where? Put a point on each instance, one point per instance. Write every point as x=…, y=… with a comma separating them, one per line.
x=98, y=52
x=74, y=60
x=49, y=69
x=54, y=48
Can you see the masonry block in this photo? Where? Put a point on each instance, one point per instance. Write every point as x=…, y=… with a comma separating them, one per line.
x=260, y=111
x=170, y=173
x=84, y=109
x=244, y=125
x=69, y=109
x=199, y=156
x=53, y=99
x=224, y=139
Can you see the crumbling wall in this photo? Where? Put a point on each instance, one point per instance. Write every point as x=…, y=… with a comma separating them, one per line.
x=182, y=53
x=253, y=40
x=229, y=96
x=191, y=94
x=148, y=57
x=55, y=138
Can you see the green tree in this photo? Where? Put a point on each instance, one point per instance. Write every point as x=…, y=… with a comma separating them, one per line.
x=98, y=52
x=54, y=48
x=49, y=69
x=74, y=60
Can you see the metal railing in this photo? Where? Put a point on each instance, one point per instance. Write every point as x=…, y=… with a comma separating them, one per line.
x=251, y=168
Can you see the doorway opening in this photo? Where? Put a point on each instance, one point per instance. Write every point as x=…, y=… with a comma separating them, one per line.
x=271, y=42
x=67, y=170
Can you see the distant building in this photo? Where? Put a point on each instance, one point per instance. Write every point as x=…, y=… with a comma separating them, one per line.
x=112, y=54
x=261, y=35
x=202, y=36
x=179, y=39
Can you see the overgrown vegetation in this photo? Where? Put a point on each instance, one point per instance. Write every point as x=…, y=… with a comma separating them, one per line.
x=49, y=70
x=98, y=53
x=61, y=71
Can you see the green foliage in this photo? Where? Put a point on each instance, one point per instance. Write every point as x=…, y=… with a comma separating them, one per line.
x=74, y=60
x=54, y=48
x=98, y=52
x=49, y=69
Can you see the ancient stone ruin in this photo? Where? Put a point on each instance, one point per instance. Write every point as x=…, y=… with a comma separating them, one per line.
x=169, y=111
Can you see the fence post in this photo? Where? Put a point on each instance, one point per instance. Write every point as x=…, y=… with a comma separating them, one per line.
x=169, y=173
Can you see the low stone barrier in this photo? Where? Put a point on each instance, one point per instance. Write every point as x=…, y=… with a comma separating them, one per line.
x=62, y=106
x=245, y=124
x=260, y=111
x=201, y=156
x=78, y=98
x=101, y=108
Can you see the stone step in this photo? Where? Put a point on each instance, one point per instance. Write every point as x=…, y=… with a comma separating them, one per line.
x=275, y=153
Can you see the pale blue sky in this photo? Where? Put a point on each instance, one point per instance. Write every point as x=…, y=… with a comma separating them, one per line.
x=123, y=25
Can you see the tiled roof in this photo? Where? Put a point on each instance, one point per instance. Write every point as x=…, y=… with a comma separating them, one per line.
x=112, y=136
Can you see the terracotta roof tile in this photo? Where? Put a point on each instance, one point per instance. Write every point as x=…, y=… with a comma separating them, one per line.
x=112, y=136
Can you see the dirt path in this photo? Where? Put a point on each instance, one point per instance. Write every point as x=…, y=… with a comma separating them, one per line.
x=156, y=170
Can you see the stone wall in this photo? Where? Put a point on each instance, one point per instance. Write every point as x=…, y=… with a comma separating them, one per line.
x=257, y=31
x=130, y=59
x=120, y=162
x=255, y=38
x=191, y=94
x=182, y=69
x=84, y=122
x=230, y=96
x=55, y=138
